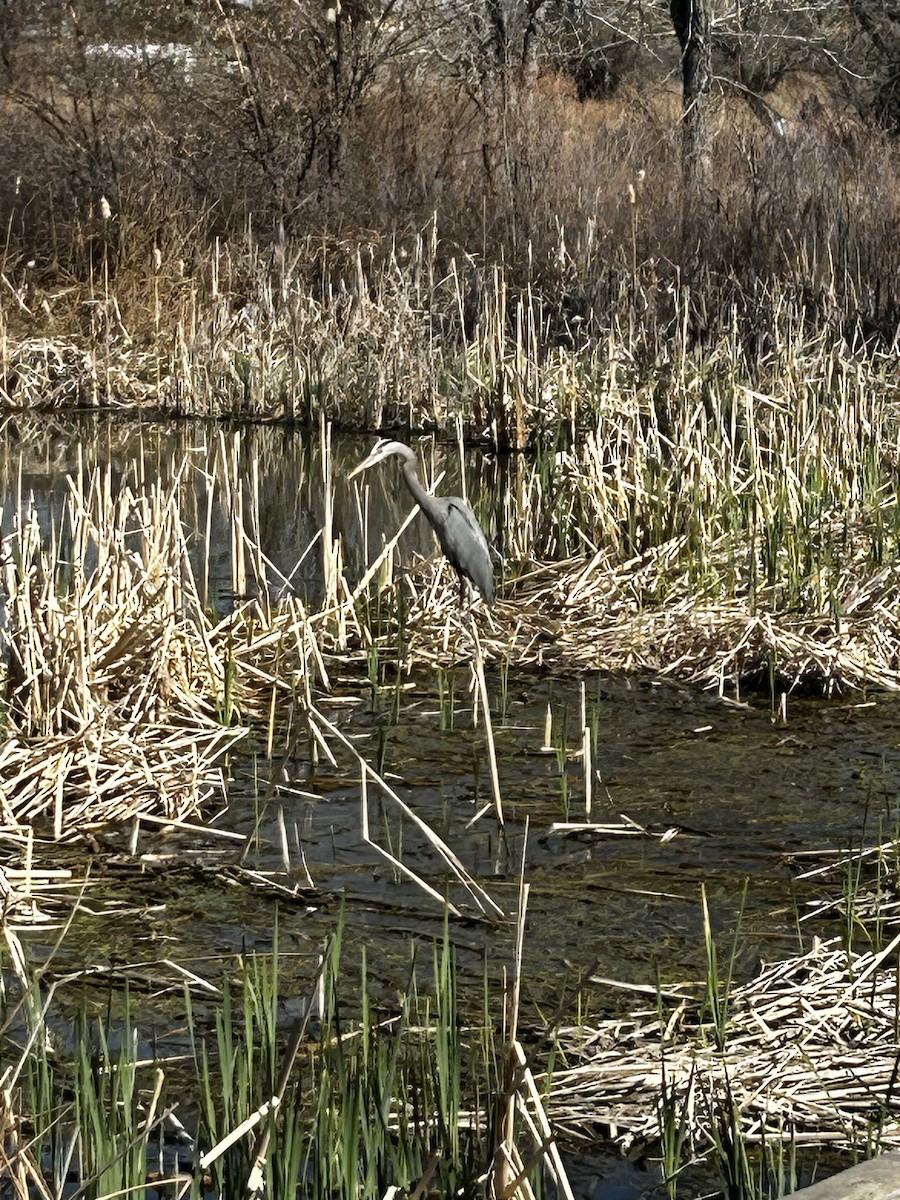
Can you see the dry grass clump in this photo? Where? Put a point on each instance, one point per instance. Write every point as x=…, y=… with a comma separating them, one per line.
x=652, y=614
x=65, y=372
x=597, y=615
x=112, y=682
x=50, y=368
x=810, y=1054
x=98, y=777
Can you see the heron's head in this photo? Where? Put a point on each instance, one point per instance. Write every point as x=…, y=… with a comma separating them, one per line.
x=380, y=451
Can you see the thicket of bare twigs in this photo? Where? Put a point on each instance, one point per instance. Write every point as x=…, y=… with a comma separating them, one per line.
x=409, y=219
x=809, y=1059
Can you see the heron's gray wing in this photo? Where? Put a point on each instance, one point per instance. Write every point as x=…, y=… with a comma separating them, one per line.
x=462, y=540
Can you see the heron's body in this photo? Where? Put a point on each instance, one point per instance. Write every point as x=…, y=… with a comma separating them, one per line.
x=456, y=526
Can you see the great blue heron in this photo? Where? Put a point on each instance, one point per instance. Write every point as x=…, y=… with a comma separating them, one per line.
x=462, y=538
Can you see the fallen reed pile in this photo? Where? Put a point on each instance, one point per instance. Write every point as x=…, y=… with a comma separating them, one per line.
x=113, y=684
x=60, y=373
x=604, y=617
x=809, y=1054
x=584, y=615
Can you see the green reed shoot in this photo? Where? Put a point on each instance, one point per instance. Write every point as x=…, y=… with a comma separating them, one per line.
x=562, y=760
x=731, y=1150
x=674, y=1128
x=447, y=1051
x=778, y=1165
x=717, y=989
x=446, y=686
x=373, y=671
x=374, y=1094
x=764, y=1172
x=112, y=1139
x=853, y=914
x=394, y=845
x=226, y=704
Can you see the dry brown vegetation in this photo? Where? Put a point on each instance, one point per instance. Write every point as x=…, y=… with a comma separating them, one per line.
x=424, y=282
x=111, y=678
x=810, y=1057
x=704, y=385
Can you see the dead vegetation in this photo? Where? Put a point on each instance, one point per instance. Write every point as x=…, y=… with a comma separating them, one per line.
x=112, y=679
x=586, y=617
x=707, y=399
x=124, y=691
x=742, y=535
x=809, y=1057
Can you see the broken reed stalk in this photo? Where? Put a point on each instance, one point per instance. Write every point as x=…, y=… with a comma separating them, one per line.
x=519, y=1104
x=234, y=496
x=395, y=862
x=586, y=756
x=480, y=897
x=330, y=553
x=481, y=682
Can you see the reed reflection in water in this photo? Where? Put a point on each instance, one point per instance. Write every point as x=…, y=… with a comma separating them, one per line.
x=270, y=480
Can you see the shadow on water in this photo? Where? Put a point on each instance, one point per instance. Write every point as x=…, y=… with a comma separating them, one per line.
x=718, y=793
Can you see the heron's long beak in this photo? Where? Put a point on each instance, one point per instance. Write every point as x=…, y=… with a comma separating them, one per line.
x=373, y=457
x=366, y=463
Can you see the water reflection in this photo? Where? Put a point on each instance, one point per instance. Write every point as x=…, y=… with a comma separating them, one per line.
x=272, y=476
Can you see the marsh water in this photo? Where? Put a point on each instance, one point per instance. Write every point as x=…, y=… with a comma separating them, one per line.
x=703, y=790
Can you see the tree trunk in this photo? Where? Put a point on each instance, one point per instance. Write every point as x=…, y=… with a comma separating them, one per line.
x=691, y=21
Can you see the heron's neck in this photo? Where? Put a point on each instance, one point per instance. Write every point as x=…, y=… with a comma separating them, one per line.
x=424, y=499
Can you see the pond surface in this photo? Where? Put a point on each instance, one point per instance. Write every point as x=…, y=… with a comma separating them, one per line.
x=705, y=792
